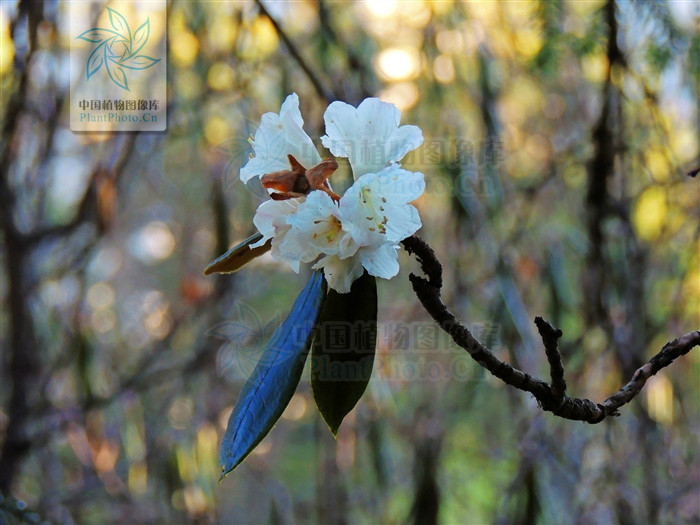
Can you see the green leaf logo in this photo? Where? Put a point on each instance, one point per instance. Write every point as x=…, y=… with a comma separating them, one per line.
x=117, y=49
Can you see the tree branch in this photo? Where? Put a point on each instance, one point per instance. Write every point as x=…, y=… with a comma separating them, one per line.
x=550, y=397
x=315, y=80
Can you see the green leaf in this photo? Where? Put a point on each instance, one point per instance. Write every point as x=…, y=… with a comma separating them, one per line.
x=269, y=389
x=238, y=256
x=343, y=350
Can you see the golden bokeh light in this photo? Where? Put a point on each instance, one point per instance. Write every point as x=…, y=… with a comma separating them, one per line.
x=650, y=213
x=7, y=47
x=184, y=47
x=659, y=395
x=216, y=130
x=402, y=94
x=395, y=64
x=221, y=77
x=258, y=40
x=450, y=41
x=381, y=8
x=595, y=66
x=443, y=69
x=658, y=164
x=222, y=33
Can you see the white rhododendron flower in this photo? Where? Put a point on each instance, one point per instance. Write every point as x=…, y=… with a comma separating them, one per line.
x=345, y=235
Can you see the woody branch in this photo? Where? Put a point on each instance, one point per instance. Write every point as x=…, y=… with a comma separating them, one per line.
x=550, y=396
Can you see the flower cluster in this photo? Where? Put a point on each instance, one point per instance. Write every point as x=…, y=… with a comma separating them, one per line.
x=306, y=221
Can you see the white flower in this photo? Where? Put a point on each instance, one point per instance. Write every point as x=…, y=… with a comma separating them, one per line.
x=369, y=135
x=315, y=230
x=362, y=230
x=376, y=209
x=277, y=137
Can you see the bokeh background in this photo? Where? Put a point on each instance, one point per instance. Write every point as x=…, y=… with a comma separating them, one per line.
x=558, y=139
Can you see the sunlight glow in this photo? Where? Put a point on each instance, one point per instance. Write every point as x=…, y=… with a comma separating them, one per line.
x=152, y=243
x=650, y=213
x=382, y=8
x=660, y=399
x=398, y=64
x=444, y=69
x=403, y=94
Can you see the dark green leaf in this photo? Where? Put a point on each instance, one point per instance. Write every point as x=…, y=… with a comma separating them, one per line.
x=238, y=256
x=268, y=390
x=343, y=350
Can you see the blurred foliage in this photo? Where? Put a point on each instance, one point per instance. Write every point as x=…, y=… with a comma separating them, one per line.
x=135, y=366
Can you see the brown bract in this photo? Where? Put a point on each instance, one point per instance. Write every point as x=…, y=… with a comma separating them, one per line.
x=300, y=181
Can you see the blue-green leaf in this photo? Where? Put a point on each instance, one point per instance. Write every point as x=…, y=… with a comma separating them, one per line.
x=269, y=389
x=343, y=350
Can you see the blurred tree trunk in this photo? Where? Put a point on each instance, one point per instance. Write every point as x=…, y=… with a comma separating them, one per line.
x=23, y=351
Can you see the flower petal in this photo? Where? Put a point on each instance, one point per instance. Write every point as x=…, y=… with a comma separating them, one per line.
x=277, y=137
x=382, y=261
x=341, y=124
x=340, y=273
x=270, y=217
x=369, y=135
x=403, y=140
x=293, y=247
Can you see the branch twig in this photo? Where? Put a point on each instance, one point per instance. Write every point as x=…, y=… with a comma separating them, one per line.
x=296, y=55
x=551, y=398
x=550, y=337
